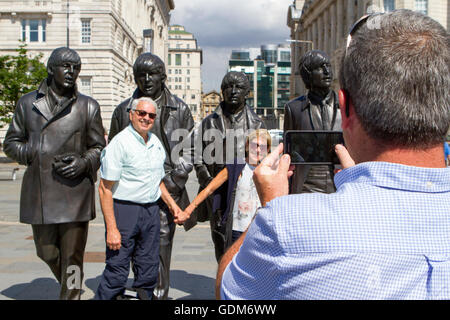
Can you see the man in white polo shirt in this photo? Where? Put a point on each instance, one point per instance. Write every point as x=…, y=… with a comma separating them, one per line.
x=132, y=167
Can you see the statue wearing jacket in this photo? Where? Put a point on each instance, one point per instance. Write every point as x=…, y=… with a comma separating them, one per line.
x=58, y=134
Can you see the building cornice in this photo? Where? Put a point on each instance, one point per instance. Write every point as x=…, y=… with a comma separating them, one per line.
x=312, y=9
x=184, y=50
x=294, y=15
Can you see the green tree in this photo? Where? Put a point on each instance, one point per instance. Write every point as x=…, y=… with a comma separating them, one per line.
x=19, y=74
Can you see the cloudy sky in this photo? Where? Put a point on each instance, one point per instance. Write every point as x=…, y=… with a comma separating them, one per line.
x=223, y=25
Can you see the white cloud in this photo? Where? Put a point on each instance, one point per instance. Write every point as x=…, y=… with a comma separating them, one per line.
x=222, y=25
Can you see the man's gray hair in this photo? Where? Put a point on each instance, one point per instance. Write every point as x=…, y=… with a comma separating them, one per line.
x=397, y=73
x=135, y=102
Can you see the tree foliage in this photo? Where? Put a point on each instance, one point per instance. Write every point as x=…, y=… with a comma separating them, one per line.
x=19, y=74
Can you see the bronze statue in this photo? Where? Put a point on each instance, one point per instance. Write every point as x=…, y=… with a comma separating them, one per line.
x=317, y=110
x=58, y=134
x=172, y=114
x=232, y=116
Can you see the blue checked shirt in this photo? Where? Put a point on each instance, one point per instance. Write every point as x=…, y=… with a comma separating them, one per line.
x=385, y=234
x=138, y=167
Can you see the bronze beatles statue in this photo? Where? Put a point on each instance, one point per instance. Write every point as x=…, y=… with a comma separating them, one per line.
x=58, y=134
x=233, y=114
x=317, y=110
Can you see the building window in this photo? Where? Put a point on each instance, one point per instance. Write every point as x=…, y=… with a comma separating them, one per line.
x=188, y=79
x=188, y=71
x=285, y=56
x=44, y=29
x=86, y=86
x=170, y=71
x=169, y=60
x=86, y=31
x=421, y=6
x=389, y=5
x=178, y=59
x=34, y=30
x=192, y=96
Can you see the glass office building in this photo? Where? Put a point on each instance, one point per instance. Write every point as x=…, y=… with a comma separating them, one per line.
x=268, y=69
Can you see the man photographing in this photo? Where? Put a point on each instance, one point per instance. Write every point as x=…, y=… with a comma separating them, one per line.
x=384, y=233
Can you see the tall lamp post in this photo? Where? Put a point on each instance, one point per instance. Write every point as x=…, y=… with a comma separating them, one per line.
x=67, y=25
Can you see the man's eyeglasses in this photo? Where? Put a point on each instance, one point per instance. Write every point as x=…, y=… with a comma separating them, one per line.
x=354, y=28
x=142, y=114
x=352, y=31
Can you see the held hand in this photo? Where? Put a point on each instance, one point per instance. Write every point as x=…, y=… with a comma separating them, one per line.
x=344, y=157
x=182, y=217
x=271, y=176
x=175, y=210
x=113, y=239
x=73, y=168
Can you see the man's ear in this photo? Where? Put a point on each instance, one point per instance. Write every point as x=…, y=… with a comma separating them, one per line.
x=345, y=106
x=49, y=71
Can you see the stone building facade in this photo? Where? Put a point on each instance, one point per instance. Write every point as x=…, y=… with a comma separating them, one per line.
x=184, y=69
x=210, y=101
x=108, y=35
x=324, y=24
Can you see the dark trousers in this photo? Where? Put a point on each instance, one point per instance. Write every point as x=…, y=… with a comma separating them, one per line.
x=62, y=246
x=139, y=226
x=167, y=232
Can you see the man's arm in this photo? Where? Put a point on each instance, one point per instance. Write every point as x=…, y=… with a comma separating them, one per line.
x=168, y=200
x=271, y=181
x=113, y=237
x=17, y=144
x=226, y=259
x=177, y=176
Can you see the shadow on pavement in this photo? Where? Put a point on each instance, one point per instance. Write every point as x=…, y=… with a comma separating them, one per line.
x=197, y=287
x=38, y=289
x=92, y=284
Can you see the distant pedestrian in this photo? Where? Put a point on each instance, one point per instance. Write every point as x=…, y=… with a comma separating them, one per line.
x=132, y=169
